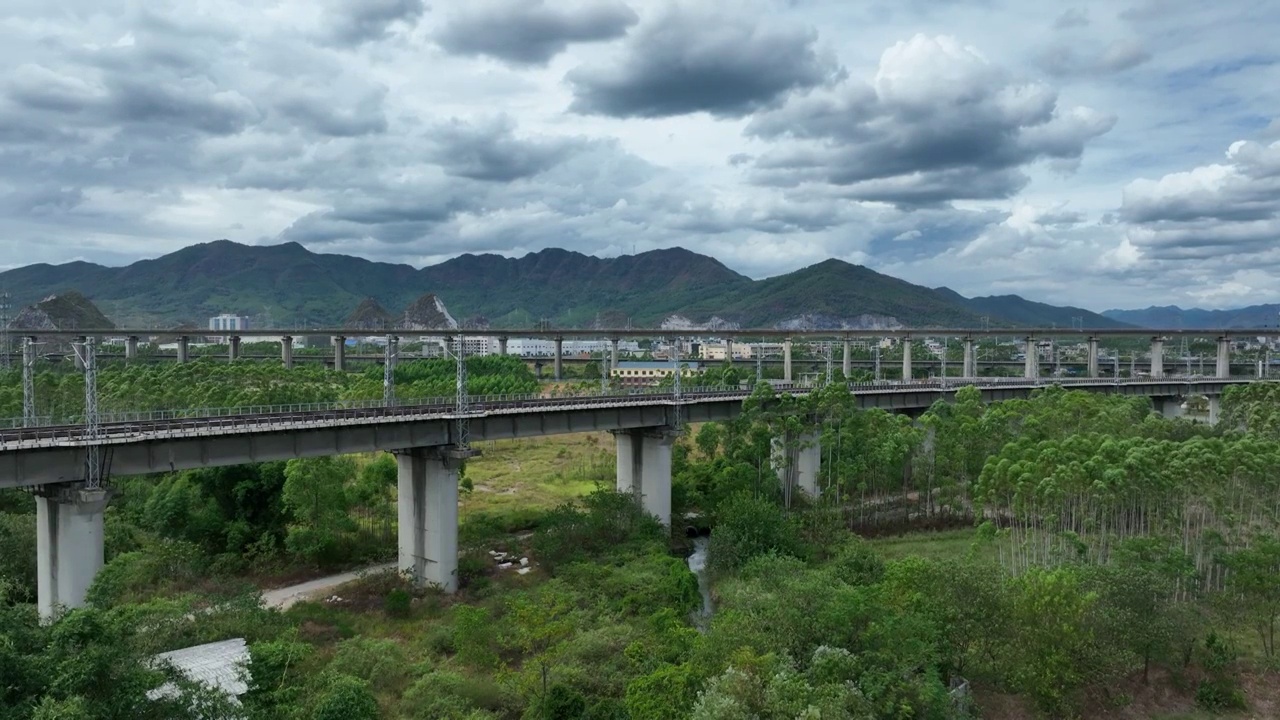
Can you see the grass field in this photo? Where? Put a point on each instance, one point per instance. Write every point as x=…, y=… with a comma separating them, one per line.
x=937, y=545
x=511, y=479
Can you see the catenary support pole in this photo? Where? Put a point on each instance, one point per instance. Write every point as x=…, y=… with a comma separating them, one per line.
x=786, y=360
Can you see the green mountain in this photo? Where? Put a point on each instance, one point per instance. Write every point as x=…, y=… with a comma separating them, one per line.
x=1019, y=311
x=834, y=293
x=1172, y=316
x=290, y=285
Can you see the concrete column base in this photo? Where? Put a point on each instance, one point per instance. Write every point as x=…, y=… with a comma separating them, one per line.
x=970, y=360
x=800, y=466
x=427, y=505
x=69, y=546
x=644, y=468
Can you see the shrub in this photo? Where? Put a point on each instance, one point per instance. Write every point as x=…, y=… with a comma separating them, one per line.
x=345, y=698
x=609, y=524
x=398, y=602
x=443, y=695
x=748, y=527
x=380, y=662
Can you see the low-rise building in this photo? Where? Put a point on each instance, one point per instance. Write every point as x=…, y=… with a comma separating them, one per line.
x=651, y=373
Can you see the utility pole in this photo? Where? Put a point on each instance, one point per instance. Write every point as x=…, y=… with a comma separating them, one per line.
x=5, y=362
x=390, y=354
x=679, y=417
x=28, y=382
x=92, y=425
x=462, y=441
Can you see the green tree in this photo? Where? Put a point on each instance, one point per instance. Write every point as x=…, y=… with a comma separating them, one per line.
x=315, y=494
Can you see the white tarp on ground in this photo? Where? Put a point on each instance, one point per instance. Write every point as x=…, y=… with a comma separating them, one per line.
x=218, y=665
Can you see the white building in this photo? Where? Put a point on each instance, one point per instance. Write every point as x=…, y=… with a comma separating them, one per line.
x=226, y=322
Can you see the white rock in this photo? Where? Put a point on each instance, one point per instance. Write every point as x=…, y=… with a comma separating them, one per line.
x=504, y=566
x=524, y=571
x=524, y=562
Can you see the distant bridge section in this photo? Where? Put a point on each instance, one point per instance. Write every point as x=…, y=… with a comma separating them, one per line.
x=338, y=335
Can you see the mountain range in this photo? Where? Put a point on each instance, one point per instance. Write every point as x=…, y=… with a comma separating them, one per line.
x=1172, y=316
x=289, y=285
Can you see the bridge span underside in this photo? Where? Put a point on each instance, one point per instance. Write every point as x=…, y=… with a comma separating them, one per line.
x=425, y=442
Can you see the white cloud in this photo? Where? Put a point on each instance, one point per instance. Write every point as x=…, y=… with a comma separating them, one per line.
x=957, y=143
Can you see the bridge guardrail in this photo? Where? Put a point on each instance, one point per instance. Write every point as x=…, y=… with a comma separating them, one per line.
x=116, y=424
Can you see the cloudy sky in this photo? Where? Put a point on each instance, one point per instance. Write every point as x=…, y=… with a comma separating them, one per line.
x=1118, y=153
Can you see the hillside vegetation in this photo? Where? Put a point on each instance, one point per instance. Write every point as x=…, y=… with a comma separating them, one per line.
x=292, y=285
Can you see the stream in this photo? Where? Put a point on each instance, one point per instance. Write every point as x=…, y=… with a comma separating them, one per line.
x=698, y=566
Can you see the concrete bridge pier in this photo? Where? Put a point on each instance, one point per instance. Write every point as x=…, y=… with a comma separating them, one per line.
x=286, y=352
x=559, y=358
x=1093, y=357
x=69, y=545
x=131, y=347
x=502, y=345
x=80, y=341
x=906, y=358
x=1031, y=366
x=339, y=353
x=786, y=360
x=798, y=466
x=613, y=352
x=427, y=507
x=847, y=366
x=1224, y=357
x=644, y=468
x=1157, y=357
x=233, y=348
x=184, y=349
x=970, y=358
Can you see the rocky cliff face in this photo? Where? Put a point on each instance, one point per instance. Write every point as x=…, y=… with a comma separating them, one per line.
x=828, y=322
x=369, y=315
x=428, y=313
x=67, y=311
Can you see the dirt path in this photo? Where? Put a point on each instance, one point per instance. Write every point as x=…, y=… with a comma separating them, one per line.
x=285, y=597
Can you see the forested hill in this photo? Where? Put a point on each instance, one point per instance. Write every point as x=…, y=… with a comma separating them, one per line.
x=288, y=284
x=1172, y=316
x=1028, y=313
